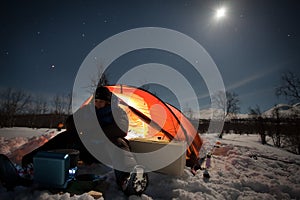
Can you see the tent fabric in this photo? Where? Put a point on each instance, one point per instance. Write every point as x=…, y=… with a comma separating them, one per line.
x=150, y=117
x=193, y=137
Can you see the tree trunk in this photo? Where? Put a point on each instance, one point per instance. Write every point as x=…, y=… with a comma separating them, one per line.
x=263, y=138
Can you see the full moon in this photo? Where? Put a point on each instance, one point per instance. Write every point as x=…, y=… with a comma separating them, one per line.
x=220, y=12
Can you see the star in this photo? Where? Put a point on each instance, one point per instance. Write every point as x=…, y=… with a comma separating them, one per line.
x=82, y=35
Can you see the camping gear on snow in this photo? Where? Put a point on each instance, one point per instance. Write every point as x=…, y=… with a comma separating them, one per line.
x=9, y=175
x=136, y=183
x=89, y=177
x=144, y=145
x=207, y=163
x=197, y=166
x=60, y=125
x=63, y=140
x=87, y=182
x=73, y=154
x=150, y=117
x=51, y=172
x=51, y=169
x=206, y=175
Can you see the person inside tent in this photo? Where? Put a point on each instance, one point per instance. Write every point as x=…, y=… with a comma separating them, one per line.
x=115, y=127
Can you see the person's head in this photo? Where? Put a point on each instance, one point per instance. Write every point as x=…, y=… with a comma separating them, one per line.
x=102, y=97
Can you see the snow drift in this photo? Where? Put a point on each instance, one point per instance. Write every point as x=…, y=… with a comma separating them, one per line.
x=242, y=168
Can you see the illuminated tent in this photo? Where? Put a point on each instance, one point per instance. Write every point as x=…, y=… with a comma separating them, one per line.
x=150, y=117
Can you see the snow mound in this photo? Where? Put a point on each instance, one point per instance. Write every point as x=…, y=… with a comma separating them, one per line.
x=241, y=168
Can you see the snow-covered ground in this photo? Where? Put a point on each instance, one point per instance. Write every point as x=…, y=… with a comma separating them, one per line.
x=242, y=168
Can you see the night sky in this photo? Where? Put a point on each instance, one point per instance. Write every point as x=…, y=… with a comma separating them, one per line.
x=43, y=43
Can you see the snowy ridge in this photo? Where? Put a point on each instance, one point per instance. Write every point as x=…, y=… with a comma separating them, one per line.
x=284, y=110
x=210, y=112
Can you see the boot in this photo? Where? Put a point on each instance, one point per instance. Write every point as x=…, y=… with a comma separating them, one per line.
x=136, y=183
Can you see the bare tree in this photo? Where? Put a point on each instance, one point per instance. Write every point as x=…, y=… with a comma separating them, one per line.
x=232, y=103
x=39, y=105
x=69, y=103
x=290, y=87
x=13, y=102
x=219, y=104
x=276, y=137
x=101, y=79
x=62, y=104
x=255, y=112
x=259, y=123
x=228, y=102
x=44, y=107
x=188, y=111
x=58, y=104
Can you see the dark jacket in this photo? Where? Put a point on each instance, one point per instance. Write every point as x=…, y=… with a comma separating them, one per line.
x=114, y=129
x=113, y=120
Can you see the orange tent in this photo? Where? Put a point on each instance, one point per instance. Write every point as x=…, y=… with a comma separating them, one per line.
x=151, y=117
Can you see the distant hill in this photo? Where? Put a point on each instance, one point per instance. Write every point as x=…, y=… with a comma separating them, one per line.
x=284, y=110
x=210, y=112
